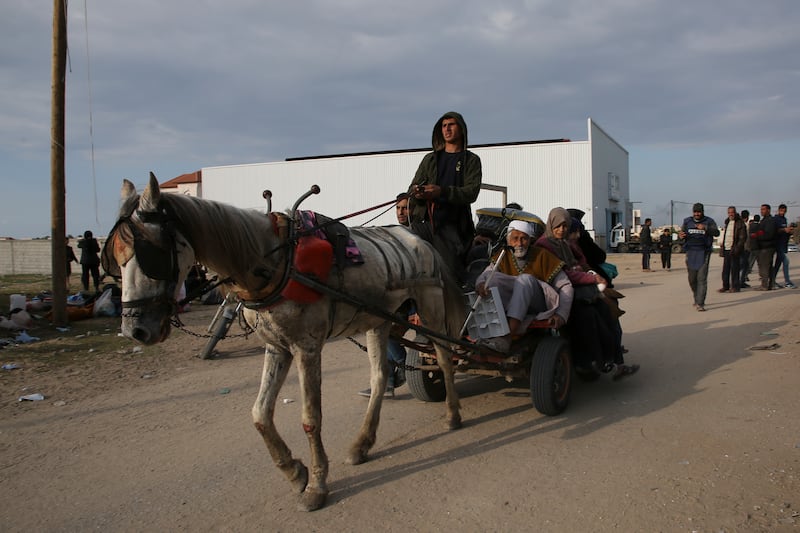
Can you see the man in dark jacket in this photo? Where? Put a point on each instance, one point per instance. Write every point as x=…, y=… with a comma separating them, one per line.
x=698, y=232
x=446, y=184
x=646, y=242
x=765, y=237
x=731, y=249
x=90, y=261
x=782, y=233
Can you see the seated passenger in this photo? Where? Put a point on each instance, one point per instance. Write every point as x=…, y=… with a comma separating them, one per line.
x=596, y=339
x=531, y=282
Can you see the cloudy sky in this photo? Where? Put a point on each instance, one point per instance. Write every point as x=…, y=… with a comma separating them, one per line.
x=703, y=94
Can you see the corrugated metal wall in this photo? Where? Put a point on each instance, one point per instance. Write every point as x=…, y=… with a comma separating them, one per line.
x=538, y=176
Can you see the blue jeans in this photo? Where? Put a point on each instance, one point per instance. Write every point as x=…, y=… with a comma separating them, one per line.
x=781, y=259
x=397, y=360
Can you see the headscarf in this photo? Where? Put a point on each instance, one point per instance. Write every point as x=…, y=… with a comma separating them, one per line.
x=558, y=216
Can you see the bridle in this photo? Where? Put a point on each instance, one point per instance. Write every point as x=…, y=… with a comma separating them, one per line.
x=158, y=258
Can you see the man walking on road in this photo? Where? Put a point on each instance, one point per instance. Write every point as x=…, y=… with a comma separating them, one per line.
x=698, y=232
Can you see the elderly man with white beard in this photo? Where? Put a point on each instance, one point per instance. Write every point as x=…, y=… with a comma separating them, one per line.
x=532, y=285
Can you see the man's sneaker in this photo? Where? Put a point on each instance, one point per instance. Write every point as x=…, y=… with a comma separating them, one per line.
x=791, y=285
x=389, y=393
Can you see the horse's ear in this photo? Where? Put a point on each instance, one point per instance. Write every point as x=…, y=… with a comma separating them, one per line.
x=151, y=196
x=128, y=198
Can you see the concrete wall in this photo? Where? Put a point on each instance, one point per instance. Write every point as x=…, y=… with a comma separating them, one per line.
x=31, y=256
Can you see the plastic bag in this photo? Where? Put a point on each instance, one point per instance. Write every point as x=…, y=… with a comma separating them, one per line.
x=104, y=305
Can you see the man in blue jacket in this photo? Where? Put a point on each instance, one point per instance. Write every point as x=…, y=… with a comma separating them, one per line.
x=698, y=232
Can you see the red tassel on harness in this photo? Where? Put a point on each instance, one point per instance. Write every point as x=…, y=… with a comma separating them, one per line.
x=312, y=257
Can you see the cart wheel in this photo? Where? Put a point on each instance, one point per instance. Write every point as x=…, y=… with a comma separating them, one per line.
x=551, y=376
x=425, y=385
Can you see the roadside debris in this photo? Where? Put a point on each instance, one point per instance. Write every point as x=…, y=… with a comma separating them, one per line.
x=31, y=397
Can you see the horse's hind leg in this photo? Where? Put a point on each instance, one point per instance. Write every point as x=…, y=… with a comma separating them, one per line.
x=277, y=362
x=444, y=358
x=376, y=349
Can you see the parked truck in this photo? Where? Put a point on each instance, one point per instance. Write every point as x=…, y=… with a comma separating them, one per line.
x=623, y=240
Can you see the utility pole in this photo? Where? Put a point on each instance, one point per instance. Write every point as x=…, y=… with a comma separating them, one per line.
x=58, y=228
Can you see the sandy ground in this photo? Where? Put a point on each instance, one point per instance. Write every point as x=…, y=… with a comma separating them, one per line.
x=705, y=438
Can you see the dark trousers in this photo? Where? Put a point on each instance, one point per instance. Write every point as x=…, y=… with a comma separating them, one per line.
x=94, y=270
x=698, y=281
x=646, y=258
x=666, y=259
x=730, y=270
x=765, y=267
x=744, y=267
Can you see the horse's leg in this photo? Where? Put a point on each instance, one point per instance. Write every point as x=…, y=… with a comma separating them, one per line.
x=309, y=366
x=277, y=362
x=444, y=358
x=379, y=370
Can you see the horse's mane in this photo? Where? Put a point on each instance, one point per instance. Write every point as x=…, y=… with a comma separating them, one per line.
x=229, y=240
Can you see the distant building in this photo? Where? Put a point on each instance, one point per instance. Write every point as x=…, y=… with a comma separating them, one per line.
x=591, y=175
x=190, y=184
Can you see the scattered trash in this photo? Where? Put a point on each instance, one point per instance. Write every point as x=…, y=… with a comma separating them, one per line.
x=773, y=346
x=288, y=400
x=148, y=376
x=137, y=349
x=31, y=397
x=21, y=318
x=224, y=390
x=62, y=330
x=11, y=366
x=23, y=337
x=768, y=333
x=684, y=462
x=60, y=403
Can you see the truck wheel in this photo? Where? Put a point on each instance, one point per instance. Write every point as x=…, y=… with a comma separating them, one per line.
x=425, y=385
x=622, y=248
x=677, y=248
x=551, y=376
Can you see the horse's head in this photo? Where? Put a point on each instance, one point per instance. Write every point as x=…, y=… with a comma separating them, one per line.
x=149, y=254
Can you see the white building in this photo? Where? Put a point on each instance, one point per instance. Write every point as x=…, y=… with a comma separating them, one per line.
x=590, y=175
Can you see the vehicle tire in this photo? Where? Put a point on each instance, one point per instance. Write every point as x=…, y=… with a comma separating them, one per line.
x=425, y=385
x=622, y=248
x=220, y=331
x=677, y=248
x=551, y=376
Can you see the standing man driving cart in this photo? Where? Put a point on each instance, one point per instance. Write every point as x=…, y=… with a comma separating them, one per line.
x=445, y=185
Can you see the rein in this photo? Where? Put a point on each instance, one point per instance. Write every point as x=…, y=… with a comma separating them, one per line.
x=308, y=231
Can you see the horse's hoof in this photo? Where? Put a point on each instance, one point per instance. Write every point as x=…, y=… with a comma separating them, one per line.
x=357, y=456
x=455, y=423
x=311, y=500
x=300, y=480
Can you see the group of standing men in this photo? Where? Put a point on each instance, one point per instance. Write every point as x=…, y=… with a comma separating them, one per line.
x=765, y=240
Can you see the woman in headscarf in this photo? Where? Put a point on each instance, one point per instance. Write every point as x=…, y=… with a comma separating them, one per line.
x=595, y=337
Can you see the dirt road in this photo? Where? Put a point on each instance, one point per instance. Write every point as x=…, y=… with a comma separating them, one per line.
x=706, y=437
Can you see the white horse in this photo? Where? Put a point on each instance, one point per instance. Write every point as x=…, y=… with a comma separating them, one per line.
x=159, y=236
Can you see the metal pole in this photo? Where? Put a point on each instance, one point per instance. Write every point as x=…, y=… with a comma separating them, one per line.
x=57, y=188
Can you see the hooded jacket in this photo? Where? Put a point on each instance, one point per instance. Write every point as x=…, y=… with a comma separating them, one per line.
x=459, y=196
